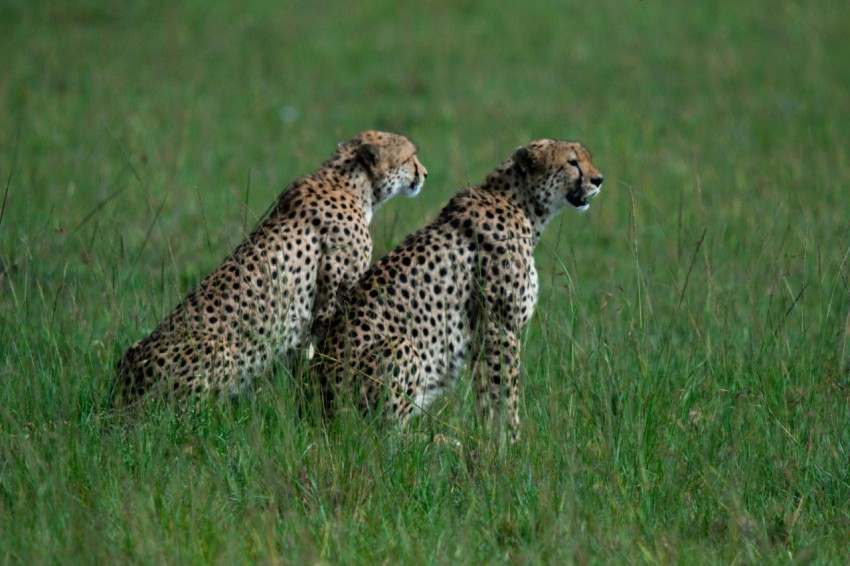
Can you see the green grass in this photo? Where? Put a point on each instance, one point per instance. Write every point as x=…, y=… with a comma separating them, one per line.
x=686, y=393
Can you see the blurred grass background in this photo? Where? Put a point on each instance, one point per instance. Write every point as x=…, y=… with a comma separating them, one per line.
x=686, y=375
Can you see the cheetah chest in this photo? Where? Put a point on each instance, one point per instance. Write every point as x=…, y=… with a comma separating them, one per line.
x=529, y=299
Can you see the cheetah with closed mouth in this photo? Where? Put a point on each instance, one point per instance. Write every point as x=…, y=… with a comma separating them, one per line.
x=460, y=289
x=281, y=283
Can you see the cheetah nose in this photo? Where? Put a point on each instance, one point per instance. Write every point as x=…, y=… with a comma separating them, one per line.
x=597, y=181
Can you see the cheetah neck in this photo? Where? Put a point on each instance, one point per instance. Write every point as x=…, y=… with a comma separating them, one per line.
x=539, y=217
x=505, y=183
x=345, y=172
x=360, y=184
x=366, y=204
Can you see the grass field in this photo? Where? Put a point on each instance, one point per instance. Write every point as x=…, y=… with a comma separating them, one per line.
x=686, y=393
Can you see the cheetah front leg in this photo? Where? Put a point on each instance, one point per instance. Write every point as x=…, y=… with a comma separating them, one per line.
x=325, y=305
x=339, y=268
x=500, y=368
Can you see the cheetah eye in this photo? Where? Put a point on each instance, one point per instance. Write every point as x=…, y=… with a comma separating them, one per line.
x=573, y=162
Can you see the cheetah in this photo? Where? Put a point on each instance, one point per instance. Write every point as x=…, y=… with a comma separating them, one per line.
x=459, y=290
x=279, y=287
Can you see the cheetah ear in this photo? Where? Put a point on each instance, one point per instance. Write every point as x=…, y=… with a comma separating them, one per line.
x=524, y=159
x=368, y=153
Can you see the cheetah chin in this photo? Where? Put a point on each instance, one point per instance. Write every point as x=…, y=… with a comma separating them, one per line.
x=579, y=201
x=414, y=189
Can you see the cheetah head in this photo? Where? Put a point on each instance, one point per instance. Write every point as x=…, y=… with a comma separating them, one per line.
x=559, y=173
x=392, y=164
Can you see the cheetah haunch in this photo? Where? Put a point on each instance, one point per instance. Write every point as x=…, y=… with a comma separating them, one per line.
x=460, y=289
x=281, y=283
